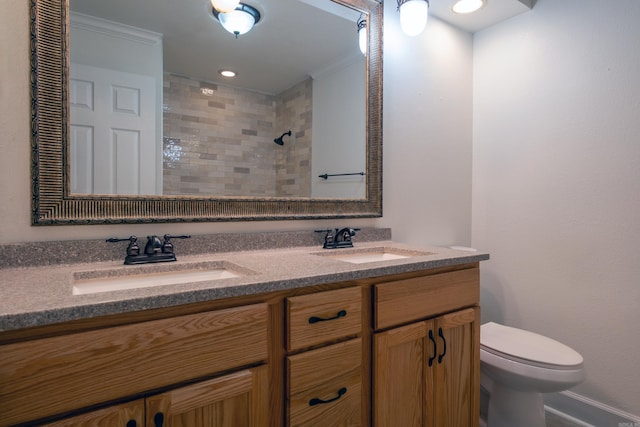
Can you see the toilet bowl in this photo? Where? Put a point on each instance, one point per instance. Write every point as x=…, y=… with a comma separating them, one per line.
x=517, y=367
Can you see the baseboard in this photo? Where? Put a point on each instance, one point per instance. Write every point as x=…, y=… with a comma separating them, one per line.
x=587, y=412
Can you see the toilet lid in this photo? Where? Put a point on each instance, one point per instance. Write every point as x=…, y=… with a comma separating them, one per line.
x=527, y=346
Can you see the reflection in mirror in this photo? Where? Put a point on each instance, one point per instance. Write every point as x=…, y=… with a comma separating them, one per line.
x=150, y=113
x=186, y=173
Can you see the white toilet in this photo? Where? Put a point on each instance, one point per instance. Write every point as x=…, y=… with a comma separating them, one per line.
x=516, y=367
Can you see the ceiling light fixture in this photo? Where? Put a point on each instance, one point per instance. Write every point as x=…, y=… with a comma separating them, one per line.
x=362, y=33
x=467, y=6
x=227, y=73
x=240, y=20
x=413, y=16
x=225, y=6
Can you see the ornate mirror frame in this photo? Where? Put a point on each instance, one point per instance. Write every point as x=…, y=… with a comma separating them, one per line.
x=53, y=205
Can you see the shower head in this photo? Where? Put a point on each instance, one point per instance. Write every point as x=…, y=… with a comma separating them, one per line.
x=279, y=140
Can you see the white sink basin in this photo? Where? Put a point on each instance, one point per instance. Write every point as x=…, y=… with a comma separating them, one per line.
x=366, y=255
x=151, y=275
x=372, y=257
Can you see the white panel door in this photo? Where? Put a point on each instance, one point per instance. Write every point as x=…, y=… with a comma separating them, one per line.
x=113, y=143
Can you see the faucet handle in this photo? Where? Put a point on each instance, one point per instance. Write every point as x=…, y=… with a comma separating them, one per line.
x=133, y=249
x=329, y=238
x=167, y=246
x=116, y=239
x=169, y=236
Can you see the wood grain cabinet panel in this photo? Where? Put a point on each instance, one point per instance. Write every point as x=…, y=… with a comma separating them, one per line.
x=427, y=374
x=324, y=316
x=325, y=386
x=59, y=374
x=399, y=376
x=405, y=301
x=129, y=414
x=456, y=375
x=239, y=399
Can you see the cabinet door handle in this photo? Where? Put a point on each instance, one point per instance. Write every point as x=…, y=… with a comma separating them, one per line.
x=444, y=342
x=132, y=423
x=158, y=419
x=314, y=319
x=316, y=401
x=433, y=343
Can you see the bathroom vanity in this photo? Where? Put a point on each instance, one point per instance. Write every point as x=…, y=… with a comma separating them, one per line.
x=302, y=338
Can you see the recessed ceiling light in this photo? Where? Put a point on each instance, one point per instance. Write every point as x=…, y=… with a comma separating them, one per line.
x=468, y=6
x=227, y=73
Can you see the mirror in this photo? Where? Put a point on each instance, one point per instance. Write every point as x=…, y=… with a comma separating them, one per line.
x=57, y=200
x=293, y=111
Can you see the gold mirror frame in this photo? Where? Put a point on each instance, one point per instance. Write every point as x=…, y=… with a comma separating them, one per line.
x=53, y=205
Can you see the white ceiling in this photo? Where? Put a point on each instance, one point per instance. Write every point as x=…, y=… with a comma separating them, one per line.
x=292, y=40
x=493, y=12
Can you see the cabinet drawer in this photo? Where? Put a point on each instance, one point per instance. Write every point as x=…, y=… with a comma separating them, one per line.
x=407, y=300
x=58, y=374
x=325, y=386
x=323, y=316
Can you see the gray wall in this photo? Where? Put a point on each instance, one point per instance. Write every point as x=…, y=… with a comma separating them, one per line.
x=427, y=132
x=556, y=183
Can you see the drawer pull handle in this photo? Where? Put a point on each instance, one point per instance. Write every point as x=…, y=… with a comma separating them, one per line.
x=132, y=423
x=314, y=319
x=316, y=401
x=433, y=343
x=158, y=419
x=444, y=342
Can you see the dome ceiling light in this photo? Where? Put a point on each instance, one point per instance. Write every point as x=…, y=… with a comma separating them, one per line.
x=362, y=33
x=240, y=20
x=413, y=16
x=225, y=6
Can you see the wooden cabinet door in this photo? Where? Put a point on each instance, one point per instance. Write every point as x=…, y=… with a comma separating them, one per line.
x=399, y=390
x=129, y=414
x=239, y=399
x=60, y=374
x=457, y=369
x=427, y=374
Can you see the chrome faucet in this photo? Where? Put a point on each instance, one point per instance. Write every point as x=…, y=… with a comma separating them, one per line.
x=155, y=250
x=341, y=238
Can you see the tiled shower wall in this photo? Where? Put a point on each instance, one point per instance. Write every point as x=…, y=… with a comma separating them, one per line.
x=218, y=140
x=293, y=166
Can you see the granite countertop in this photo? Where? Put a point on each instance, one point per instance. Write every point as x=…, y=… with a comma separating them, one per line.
x=42, y=295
